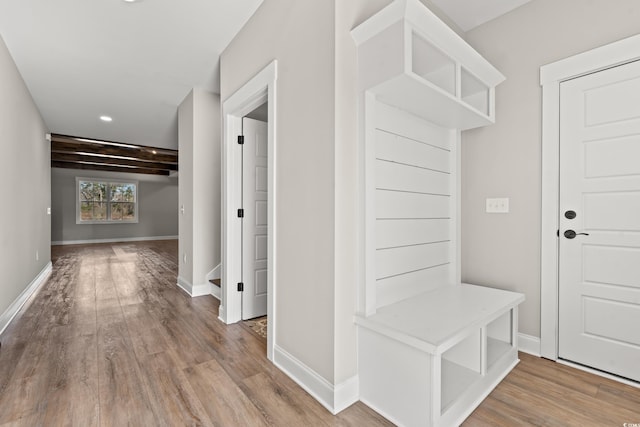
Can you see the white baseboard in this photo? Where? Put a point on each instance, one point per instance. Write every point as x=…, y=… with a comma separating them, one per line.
x=346, y=394
x=529, y=344
x=184, y=285
x=216, y=292
x=334, y=398
x=14, y=308
x=222, y=313
x=195, y=290
x=114, y=240
x=202, y=289
x=215, y=273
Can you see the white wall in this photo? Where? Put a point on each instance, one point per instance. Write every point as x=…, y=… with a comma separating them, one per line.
x=157, y=212
x=25, y=185
x=185, y=190
x=504, y=160
x=300, y=36
x=199, y=136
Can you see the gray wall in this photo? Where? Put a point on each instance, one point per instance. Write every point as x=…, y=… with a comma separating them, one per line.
x=504, y=160
x=157, y=208
x=199, y=144
x=303, y=43
x=25, y=185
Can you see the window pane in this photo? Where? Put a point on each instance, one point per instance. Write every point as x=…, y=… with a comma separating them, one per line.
x=128, y=211
x=129, y=192
x=116, y=211
x=99, y=191
x=116, y=192
x=99, y=211
x=123, y=192
x=86, y=190
x=86, y=211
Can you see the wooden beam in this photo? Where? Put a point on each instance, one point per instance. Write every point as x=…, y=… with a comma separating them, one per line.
x=97, y=158
x=110, y=168
x=70, y=144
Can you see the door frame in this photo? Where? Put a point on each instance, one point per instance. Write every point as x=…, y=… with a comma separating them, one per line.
x=259, y=89
x=551, y=75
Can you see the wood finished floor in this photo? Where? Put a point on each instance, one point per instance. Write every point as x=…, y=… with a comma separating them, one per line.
x=110, y=340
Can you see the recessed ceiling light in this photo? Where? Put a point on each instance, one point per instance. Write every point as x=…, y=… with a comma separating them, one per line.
x=106, y=119
x=154, y=152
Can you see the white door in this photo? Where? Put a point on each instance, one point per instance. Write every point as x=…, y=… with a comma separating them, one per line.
x=254, y=223
x=599, y=275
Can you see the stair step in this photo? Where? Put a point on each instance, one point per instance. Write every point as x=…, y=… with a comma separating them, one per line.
x=215, y=282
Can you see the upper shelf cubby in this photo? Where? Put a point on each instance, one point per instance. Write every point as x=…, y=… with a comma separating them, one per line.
x=410, y=59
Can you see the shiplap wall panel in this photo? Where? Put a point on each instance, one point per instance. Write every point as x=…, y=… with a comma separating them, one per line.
x=414, y=162
x=392, y=262
x=394, y=204
x=394, y=289
x=399, y=177
x=396, y=121
x=394, y=233
x=390, y=146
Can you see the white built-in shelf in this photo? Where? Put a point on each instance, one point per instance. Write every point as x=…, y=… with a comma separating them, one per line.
x=411, y=60
x=434, y=321
x=430, y=359
x=429, y=348
x=455, y=380
x=495, y=350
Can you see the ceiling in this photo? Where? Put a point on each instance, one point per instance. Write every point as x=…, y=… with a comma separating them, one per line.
x=133, y=61
x=136, y=61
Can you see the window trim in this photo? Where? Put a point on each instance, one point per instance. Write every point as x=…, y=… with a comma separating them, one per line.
x=107, y=181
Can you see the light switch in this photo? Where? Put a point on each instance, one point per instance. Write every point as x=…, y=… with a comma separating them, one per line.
x=48, y=211
x=500, y=205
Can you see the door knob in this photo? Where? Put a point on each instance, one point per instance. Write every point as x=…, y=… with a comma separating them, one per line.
x=570, y=234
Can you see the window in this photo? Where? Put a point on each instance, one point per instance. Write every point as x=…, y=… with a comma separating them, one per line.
x=106, y=202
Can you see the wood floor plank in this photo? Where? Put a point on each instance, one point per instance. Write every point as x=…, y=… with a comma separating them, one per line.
x=230, y=408
x=277, y=404
x=172, y=398
x=123, y=399
x=110, y=340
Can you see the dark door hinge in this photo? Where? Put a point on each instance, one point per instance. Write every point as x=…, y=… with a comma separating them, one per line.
x=240, y=213
x=240, y=287
x=240, y=139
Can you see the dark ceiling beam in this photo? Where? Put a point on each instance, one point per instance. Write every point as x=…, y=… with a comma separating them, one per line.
x=110, y=168
x=70, y=144
x=96, y=158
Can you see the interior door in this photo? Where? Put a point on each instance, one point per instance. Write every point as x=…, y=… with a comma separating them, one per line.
x=254, y=222
x=599, y=238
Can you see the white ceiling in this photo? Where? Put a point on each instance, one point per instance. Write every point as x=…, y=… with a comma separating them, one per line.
x=133, y=61
x=137, y=61
x=468, y=14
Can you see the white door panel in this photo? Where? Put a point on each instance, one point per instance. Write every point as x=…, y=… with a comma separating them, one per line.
x=610, y=157
x=599, y=274
x=612, y=102
x=254, y=223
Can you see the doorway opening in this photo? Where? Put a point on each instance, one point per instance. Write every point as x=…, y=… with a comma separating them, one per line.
x=248, y=203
